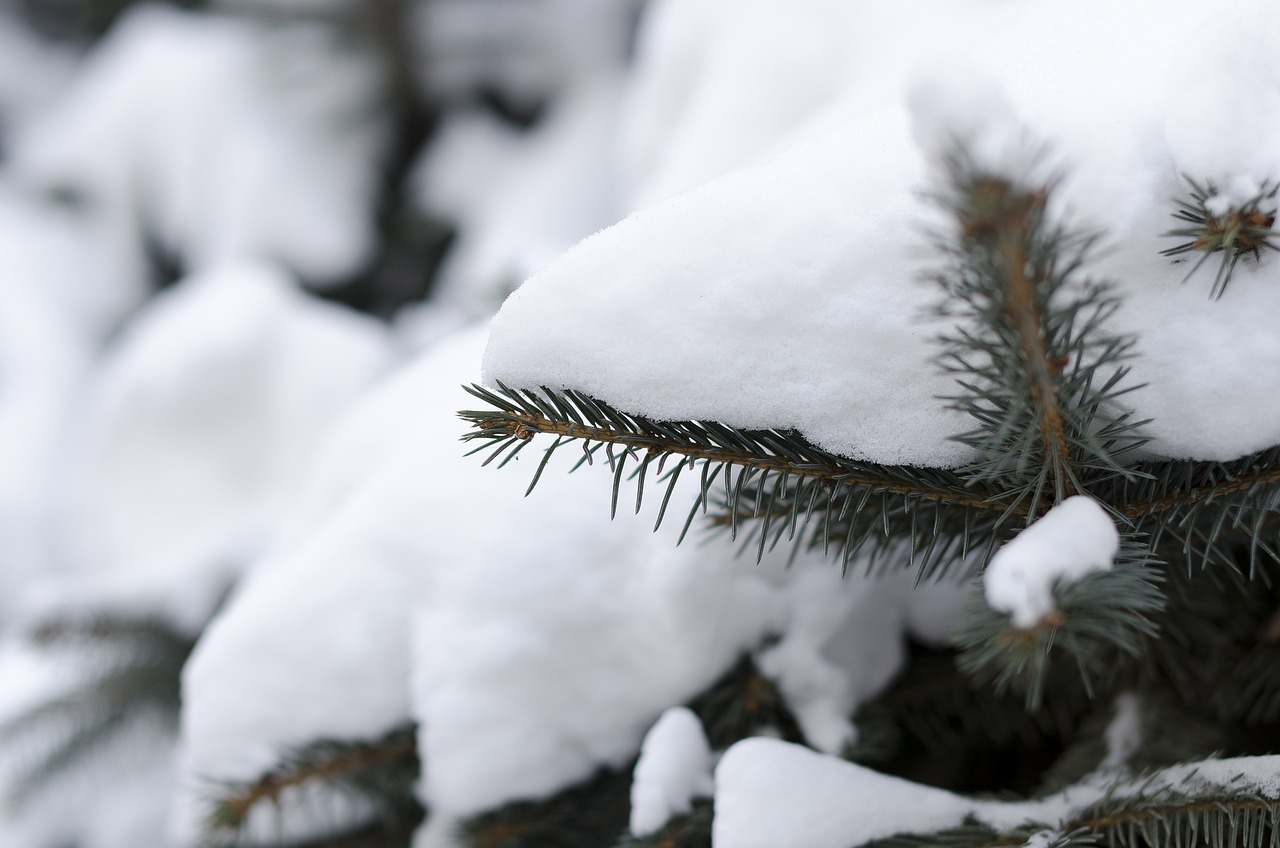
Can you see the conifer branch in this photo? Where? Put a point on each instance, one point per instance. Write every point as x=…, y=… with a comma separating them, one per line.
x=381, y=771
x=1221, y=819
x=1035, y=366
x=777, y=482
x=1104, y=617
x=588, y=815
x=770, y=451
x=1200, y=503
x=1238, y=233
x=691, y=830
x=134, y=674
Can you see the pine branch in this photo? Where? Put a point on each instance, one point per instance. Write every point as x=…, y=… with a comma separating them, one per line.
x=381, y=772
x=776, y=477
x=137, y=678
x=1237, y=234
x=691, y=830
x=742, y=703
x=588, y=815
x=1036, y=368
x=1199, y=505
x=1104, y=617
x=1173, y=820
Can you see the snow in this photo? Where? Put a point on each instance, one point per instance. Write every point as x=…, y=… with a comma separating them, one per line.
x=1223, y=105
x=526, y=50
x=200, y=424
x=156, y=451
x=528, y=663
x=827, y=235
x=1124, y=733
x=708, y=94
x=519, y=200
x=674, y=768
x=207, y=134
x=767, y=791
x=1074, y=539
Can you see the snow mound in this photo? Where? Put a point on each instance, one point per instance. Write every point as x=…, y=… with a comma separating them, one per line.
x=786, y=294
x=201, y=422
x=767, y=791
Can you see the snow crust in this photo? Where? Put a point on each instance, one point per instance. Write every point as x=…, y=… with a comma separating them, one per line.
x=826, y=235
x=1075, y=538
x=674, y=768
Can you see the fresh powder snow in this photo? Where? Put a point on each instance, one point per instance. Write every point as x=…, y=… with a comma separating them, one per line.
x=1075, y=538
x=689, y=308
x=674, y=768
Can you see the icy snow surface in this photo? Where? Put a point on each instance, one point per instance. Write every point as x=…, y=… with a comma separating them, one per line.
x=1075, y=538
x=673, y=769
x=786, y=293
x=767, y=791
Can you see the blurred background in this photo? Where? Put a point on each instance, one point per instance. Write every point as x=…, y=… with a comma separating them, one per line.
x=220, y=224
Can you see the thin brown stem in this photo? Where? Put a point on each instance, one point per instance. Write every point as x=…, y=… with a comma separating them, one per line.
x=525, y=425
x=1022, y=310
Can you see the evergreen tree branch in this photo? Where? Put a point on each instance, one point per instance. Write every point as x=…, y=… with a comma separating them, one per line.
x=691, y=830
x=381, y=771
x=1102, y=618
x=136, y=676
x=775, y=481
x=1239, y=233
x=591, y=814
x=1029, y=348
x=521, y=415
x=1200, y=505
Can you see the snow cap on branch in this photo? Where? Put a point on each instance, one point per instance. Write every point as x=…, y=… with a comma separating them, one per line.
x=1075, y=538
x=674, y=768
x=951, y=107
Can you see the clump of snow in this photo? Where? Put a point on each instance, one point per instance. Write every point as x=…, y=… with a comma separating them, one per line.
x=688, y=309
x=1074, y=539
x=200, y=424
x=718, y=83
x=43, y=361
x=674, y=768
x=767, y=791
x=1124, y=733
x=1224, y=108
x=519, y=200
x=201, y=133
x=953, y=109
x=30, y=72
